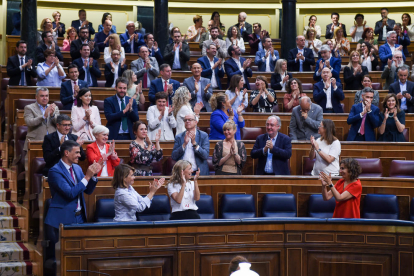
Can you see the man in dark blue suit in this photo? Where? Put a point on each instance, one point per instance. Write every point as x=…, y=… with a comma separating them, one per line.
x=368, y=114
x=76, y=45
x=329, y=33
x=236, y=65
x=131, y=40
x=327, y=60
x=88, y=67
x=82, y=22
x=384, y=23
x=273, y=149
x=48, y=43
x=153, y=49
x=101, y=38
x=20, y=66
x=328, y=93
x=67, y=184
x=69, y=89
x=210, y=64
x=16, y=21
x=402, y=38
x=385, y=51
x=404, y=90
x=163, y=84
x=121, y=113
x=300, y=59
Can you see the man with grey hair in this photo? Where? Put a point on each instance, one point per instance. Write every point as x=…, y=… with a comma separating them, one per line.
x=51, y=143
x=131, y=39
x=273, y=149
x=40, y=117
x=212, y=66
x=329, y=61
x=244, y=27
x=391, y=69
x=387, y=50
x=305, y=120
x=145, y=67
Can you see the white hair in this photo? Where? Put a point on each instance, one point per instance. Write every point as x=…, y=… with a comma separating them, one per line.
x=390, y=33
x=397, y=52
x=243, y=15
x=130, y=22
x=325, y=48
x=304, y=99
x=100, y=129
x=277, y=118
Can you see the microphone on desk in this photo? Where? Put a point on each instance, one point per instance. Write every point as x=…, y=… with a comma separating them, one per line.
x=85, y=270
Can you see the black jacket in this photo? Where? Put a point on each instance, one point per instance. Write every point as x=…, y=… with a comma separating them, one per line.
x=75, y=47
x=184, y=56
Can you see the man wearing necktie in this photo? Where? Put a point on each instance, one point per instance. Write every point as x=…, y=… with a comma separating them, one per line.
x=145, y=67
x=121, y=112
x=165, y=84
x=329, y=61
x=69, y=89
x=88, y=67
x=19, y=67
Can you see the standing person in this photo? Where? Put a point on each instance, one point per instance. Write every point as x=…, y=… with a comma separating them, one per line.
x=183, y=192
x=236, y=94
x=273, y=149
x=161, y=117
x=341, y=43
x=294, y=92
x=367, y=83
x=212, y=68
x=195, y=31
x=280, y=76
x=71, y=35
x=325, y=150
x=48, y=43
x=229, y=155
x=76, y=45
x=329, y=33
x=113, y=44
x=100, y=150
x=327, y=61
x=387, y=50
x=58, y=26
x=235, y=39
x=182, y=107
x=127, y=201
x=263, y=99
x=101, y=38
x=347, y=191
x=46, y=26
x=404, y=90
x=368, y=57
x=256, y=38
x=145, y=67
x=142, y=151
x=358, y=28
x=300, y=58
x=328, y=93
x=402, y=38
x=88, y=67
x=152, y=46
x=70, y=89
x=354, y=72
x=20, y=68
x=131, y=40
x=383, y=26
x=215, y=16
x=199, y=87
x=114, y=69
x=177, y=54
x=134, y=90
x=82, y=22
x=312, y=24
x=50, y=72
x=85, y=116
x=237, y=65
x=266, y=59
x=393, y=120
x=312, y=42
x=106, y=16
x=221, y=49
x=305, y=120
x=407, y=26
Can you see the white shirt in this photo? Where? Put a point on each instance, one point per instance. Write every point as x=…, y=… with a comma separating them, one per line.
x=384, y=32
x=60, y=136
x=184, y=111
x=358, y=33
x=267, y=60
x=213, y=75
x=189, y=154
x=86, y=74
x=392, y=48
x=328, y=93
x=84, y=182
x=237, y=61
x=104, y=171
x=127, y=202
x=403, y=87
x=176, y=64
x=283, y=84
x=333, y=150
x=188, y=202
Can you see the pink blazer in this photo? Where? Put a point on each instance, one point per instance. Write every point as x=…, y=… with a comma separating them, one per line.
x=79, y=125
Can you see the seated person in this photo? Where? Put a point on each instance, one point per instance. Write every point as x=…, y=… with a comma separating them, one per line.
x=386, y=51
x=327, y=61
x=391, y=69
x=392, y=121
x=131, y=40
x=83, y=23
x=193, y=146
x=212, y=68
x=19, y=67
x=354, y=72
x=85, y=116
x=161, y=117
x=177, y=54
x=142, y=151
x=134, y=90
x=101, y=38
x=76, y=45
x=341, y=44
x=235, y=39
x=114, y=69
x=402, y=38
x=273, y=149
x=53, y=141
x=164, y=83
x=367, y=83
x=300, y=58
x=106, y=16
x=312, y=42
x=145, y=67
x=113, y=44
x=368, y=56
x=347, y=191
x=127, y=201
x=236, y=94
x=280, y=76
x=88, y=67
x=328, y=93
x=48, y=43
x=152, y=46
x=244, y=27
x=237, y=65
x=199, y=87
x=50, y=72
x=70, y=88
x=71, y=35
x=229, y=155
x=305, y=120
x=404, y=89
x=183, y=193
x=293, y=93
x=364, y=118
x=100, y=150
x=263, y=99
x=266, y=59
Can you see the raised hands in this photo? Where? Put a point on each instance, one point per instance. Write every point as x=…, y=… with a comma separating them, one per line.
x=198, y=107
x=207, y=87
x=111, y=147
x=158, y=136
x=148, y=141
x=328, y=83
x=197, y=175
x=333, y=82
x=93, y=169
x=123, y=62
x=183, y=180
x=325, y=178
x=155, y=46
x=156, y=184
x=240, y=109
x=217, y=64
x=80, y=141
x=320, y=66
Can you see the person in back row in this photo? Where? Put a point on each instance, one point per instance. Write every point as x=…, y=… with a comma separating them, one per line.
x=164, y=83
x=177, y=54
x=329, y=33
x=212, y=67
x=88, y=67
x=267, y=57
x=383, y=26
x=20, y=68
x=199, y=87
x=114, y=69
x=327, y=61
x=76, y=45
x=300, y=58
x=237, y=65
x=70, y=88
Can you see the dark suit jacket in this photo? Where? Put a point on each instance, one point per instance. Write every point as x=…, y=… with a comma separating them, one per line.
x=65, y=194
x=51, y=150
x=127, y=47
x=319, y=96
x=66, y=93
x=395, y=88
x=157, y=55
x=13, y=71
x=60, y=33
x=372, y=121
x=109, y=76
x=232, y=69
x=248, y=29
x=76, y=24
x=100, y=39
x=158, y=86
x=276, y=79
x=295, y=66
x=254, y=43
x=207, y=72
x=190, y=84
x=335, y=64
x=114, y=116
x=282, y=151
x=378, y=28
x=75, y=47
x=41, y=57
x=94, y=70
x=404, y=41
x=354, y=82
x=329, y=34
x=169, y=54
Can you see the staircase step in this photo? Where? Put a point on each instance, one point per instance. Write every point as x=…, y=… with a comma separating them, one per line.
x=15, y=252
x=13, y=235
x=8, y=222
x=7, y=184
x=8, y=195
x=8, y=208
x=18, y=268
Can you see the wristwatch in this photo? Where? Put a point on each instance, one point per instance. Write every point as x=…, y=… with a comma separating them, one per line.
x=331, y=185
x=319, y=150
x=194, y=146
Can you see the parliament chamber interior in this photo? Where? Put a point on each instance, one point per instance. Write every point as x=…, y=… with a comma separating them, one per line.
x=282, y=224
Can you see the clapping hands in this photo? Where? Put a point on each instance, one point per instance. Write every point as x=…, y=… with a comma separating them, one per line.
x=325, y=178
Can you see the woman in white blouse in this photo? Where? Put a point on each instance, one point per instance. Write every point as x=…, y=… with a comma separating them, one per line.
x=235, y=39
x=312, y=24
x=160, y=117
x=312, y=42
x=85, y=116
x=183, y=192
x=182, y=107
x=407, y=26
x=127, y=201
x=114, y=43
x=357, y=30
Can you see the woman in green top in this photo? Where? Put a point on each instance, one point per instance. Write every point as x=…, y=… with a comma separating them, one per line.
x=368, y=36
x=134, y=91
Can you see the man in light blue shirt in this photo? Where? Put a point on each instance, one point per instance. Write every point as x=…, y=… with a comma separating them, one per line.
x=50, y=72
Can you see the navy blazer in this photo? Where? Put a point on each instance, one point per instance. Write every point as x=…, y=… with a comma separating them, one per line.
x=65, y=194
x=100, y=39
x=94, y=71
x=114, y=116
x=75, y=47
x=109, y=76
x=329, y=34
x=385, y=54
x=395, y=88
x=14, y=73
x=127, y=47
x=207, y=72
x=294, y=66
x=76, y=24
x=201, y=155
x=262, y=64
x=232, y=69
x=62, y=25
x=372, y=121
x=158, y=86
x=319, y=96
x=379, y=29
x=404, y=41
x=66, y=93
x=282, y=151
x=276, y=79
x=336, y=69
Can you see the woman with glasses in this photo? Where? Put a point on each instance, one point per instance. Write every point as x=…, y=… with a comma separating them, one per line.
x=71, y=35
x=368, y=36
x=368, y=57
x=354, y=72
x=50, y=72
x=113, y=44
x=293, y=92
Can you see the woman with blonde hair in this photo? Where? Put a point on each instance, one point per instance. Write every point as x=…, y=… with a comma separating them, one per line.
x=58, y=26
x=340, y=42
x=113, y=44
x=127, y=201
x=46, y=26
x=182, y=107
x=354, y=72
x=195, y=31
x=281, y=76
x=183, y=192
x=134, y=90
x=71, y=35
x=312, y=42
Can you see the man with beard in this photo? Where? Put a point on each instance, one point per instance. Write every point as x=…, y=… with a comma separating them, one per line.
x=237, y=65
x=387, y=50
x=76, y=45
x=220, y=44
x=391, y=69
x=19, y=67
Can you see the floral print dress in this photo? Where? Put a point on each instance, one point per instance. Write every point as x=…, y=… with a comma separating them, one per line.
x=144, y=157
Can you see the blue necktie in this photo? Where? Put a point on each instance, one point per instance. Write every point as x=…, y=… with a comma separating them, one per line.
x=88, y=75
x=300, y=65
x=269, y=164
x=22, y=72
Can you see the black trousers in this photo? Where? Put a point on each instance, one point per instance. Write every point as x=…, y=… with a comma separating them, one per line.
x=187, y=214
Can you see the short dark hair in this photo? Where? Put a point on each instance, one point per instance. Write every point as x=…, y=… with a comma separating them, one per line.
x=234, y=263
x=385, y=9
x=335, y=13
x=136, y=125
x=104, y=16
x=161, y=95
x=68, y=145
x=230, y=49
x=84, y=45
x=44, y=35
x=84, y=28
x=163, y=66
x=359, y=15
x=354, y=169
x=62, y=117
x=82, y=10
x=82, y=92
x=121, y=80
x=146, y=35
x=20, y=42
x=213, y=28
x=257, y=23
x=72, y=66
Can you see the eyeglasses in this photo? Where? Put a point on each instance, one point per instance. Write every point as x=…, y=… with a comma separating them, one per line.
x=188, y=120
x=84, y=32
x=67, y=125
x=355, y=56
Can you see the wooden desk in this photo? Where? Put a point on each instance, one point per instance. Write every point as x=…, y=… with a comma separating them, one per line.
x=11, y=41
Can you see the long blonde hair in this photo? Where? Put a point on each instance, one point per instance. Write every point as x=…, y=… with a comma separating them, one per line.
x=176, y=171
x=128, y=75
x=180, y=99
x=350, y=58
x=117, y=42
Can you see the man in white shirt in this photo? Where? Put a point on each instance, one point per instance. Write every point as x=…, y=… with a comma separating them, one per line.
x=383, y=26
x=266, y=58
x=177, y=54
x=404, y=90
x=328, y=93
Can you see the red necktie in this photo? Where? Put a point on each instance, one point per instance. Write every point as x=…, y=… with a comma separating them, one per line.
x=144, y=81
x=71, y=174
x=362, y=129
x=75, y=101
x=165, y=89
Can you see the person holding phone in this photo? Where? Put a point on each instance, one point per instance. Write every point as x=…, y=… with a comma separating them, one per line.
x=393, y=120
x=405, y=100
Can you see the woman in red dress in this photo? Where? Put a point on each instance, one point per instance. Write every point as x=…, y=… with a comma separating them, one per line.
x=347, y=191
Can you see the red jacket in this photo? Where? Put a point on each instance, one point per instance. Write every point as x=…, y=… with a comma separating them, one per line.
x=93, y=154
